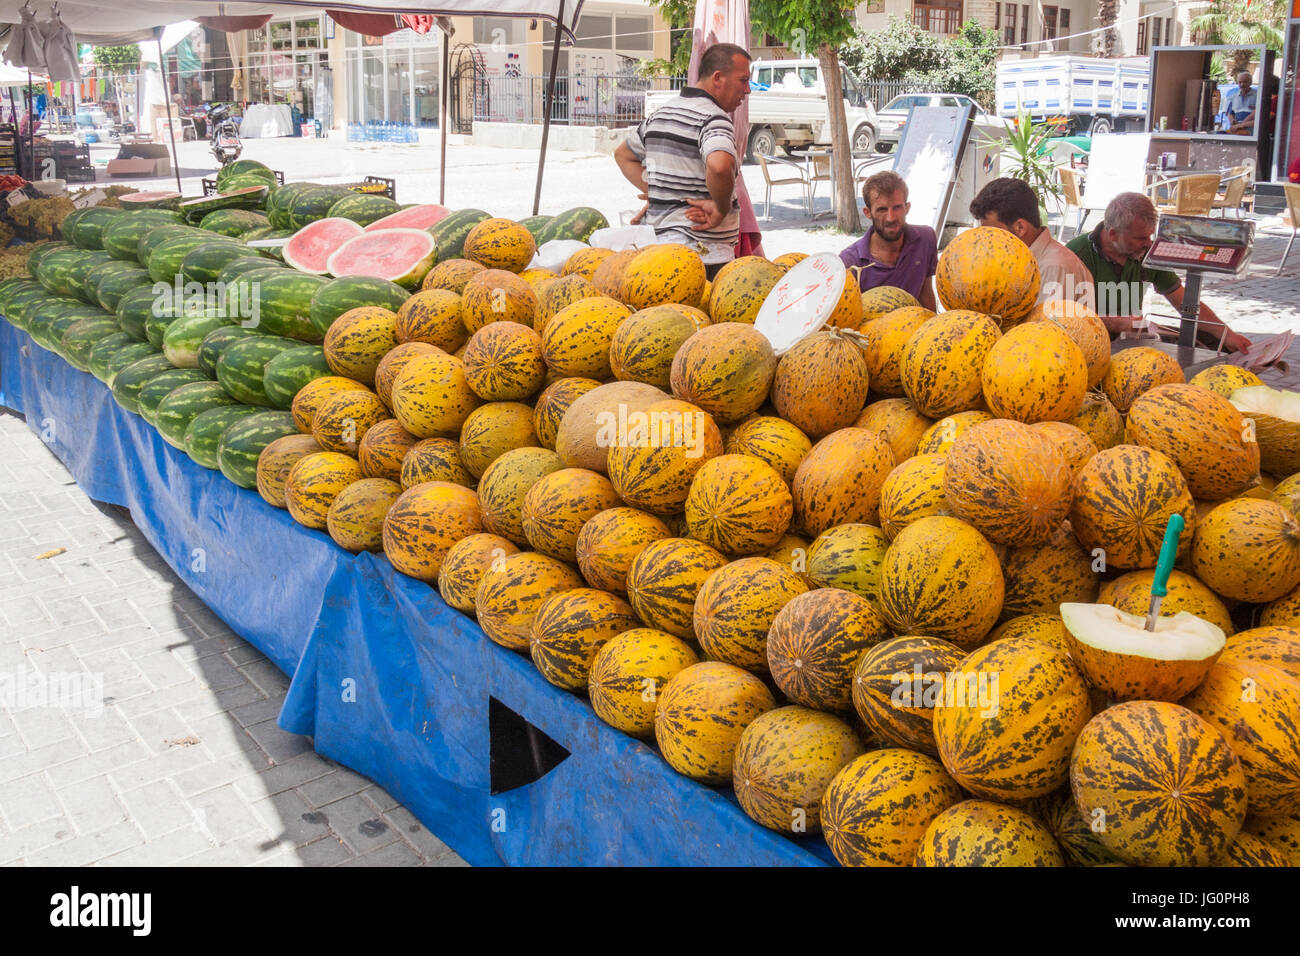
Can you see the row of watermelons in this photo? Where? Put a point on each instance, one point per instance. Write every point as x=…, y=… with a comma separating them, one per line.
x=474, y=459
x=828, y=520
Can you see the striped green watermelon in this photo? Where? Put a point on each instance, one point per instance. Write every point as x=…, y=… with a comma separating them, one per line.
x=154, y=237
x=68, y=224
x=577, y=223
x=450, y=233
x=40, y=319
x=362, y=208
x=242, y=167
x=314, y=203
x=13, y=285
x=205, y=263
x=94, y=276
x=203, y=434
x=42, y=250
x=126, y=355
x=351, y=292
x=243, y=363
x=122, y=238
x=165, y=259
x=182, y=405
x=233, y=222
x=102, y=352
x=308, y=250
x=128, y=382
x=82, y=336
x=404, y=256
x=281, y=198
x=57, y=329
x=216, y=341
x=535, y=224
x=135, y=308
x=284, y=305
x=247, y=197
x=87, y=231
x=251, y=268
x=157, y=324
x=289, y=371
x=88, y=261
x=112, y=286
x=22, y=302
x=241, y=444
x=183, y=337
x=56, y=269
x=162, y=385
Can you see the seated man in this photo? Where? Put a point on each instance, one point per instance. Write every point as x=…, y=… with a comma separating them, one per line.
x=1011, y=205
x=892, y=252
x=1239, y=110
x=1113, y=253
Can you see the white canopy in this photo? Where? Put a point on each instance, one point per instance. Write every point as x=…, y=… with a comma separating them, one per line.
x=125, y=21
x=13, y=76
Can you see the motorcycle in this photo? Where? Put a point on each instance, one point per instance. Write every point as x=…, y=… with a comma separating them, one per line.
x=224, y=134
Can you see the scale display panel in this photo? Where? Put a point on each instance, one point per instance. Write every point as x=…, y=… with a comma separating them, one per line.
x=1200, y=244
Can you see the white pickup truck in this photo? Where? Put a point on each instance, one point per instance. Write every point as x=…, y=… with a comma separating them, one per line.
x=787, y=107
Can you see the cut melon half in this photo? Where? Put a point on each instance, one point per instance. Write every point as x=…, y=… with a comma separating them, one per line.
x=310, y=248
x=1120, y=657
x=149, y=200
x=414, y=217
x=404, y=256
x=1276, y=414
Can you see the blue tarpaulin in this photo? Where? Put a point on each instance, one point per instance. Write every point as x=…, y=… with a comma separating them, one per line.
x=385, y=677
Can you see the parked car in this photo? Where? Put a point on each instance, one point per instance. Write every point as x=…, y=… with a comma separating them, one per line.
x=788, y=108
x=894, y=116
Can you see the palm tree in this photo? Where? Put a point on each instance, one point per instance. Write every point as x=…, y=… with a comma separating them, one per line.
x=1245, y=22
x=1104, y=42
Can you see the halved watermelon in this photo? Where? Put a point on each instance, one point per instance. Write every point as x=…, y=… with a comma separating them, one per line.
x=414, y=217
x=150, y=200
x=403, y=256
x=311, y=246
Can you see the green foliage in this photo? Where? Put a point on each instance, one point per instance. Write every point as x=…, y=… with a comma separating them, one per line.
x=902, y=50
x=965, y=63
x=805, y=25
x=117, y=59
x=1029, y=145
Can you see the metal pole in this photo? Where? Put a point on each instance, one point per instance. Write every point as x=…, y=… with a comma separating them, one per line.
x=31, y=126
x=1190, y=312
x=167, y=99
x=546, y=117
x=445, y=118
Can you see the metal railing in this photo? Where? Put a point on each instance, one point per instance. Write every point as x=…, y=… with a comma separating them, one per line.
x=580, y=100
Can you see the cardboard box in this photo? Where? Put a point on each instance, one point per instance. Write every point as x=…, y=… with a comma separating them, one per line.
x=139, y=167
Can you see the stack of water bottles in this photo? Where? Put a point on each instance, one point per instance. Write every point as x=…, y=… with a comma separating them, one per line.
x=382, y=133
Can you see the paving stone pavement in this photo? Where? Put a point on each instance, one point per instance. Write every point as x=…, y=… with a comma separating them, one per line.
x=175, y=758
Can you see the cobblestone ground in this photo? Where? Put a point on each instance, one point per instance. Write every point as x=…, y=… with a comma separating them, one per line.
x=180, y=762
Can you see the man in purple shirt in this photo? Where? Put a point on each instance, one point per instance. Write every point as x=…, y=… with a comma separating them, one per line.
x=892, y=252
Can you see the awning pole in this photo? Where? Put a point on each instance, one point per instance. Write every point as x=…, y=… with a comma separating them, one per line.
x=167, y=99
x=445, y=117
x=31, y=126
x=546, y=116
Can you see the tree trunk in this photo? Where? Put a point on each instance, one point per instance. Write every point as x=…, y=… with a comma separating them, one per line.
x=846, y=205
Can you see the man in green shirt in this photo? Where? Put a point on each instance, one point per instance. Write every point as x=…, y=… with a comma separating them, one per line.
x=1113, y=253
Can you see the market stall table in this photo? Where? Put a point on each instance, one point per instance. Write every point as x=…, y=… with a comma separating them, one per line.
x=387, y=679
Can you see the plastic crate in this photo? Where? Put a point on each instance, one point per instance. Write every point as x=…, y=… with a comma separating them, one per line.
x=389, y=190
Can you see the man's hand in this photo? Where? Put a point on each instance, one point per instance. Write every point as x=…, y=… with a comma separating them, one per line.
x=640, y=216
x=1235, y=342
x=704, y=214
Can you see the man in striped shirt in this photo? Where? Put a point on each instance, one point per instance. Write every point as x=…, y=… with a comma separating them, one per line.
x=683, y=158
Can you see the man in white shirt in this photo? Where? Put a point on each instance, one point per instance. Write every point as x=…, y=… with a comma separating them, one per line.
x=1011, y=205
x=1239, y=110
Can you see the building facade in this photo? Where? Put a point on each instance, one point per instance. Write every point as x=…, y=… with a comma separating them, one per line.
x=1026, y=29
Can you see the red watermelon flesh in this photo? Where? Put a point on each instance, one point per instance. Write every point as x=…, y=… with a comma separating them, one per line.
x=403, y=256
x=310, y=248
x=417, y=217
